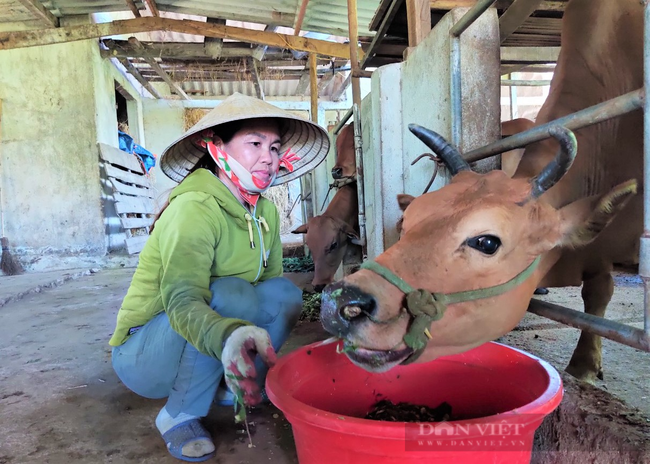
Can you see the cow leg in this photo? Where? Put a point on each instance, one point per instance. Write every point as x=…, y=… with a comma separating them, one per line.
x=586, y=362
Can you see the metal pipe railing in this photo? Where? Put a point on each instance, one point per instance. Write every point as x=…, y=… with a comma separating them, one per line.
x=592, y=115
x=456, y=81
x=612, y=330
x=358, y=155
x=342, y=122
x=469, y=17
x=644, y=252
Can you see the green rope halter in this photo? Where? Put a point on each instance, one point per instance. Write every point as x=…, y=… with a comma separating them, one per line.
x=426, y=307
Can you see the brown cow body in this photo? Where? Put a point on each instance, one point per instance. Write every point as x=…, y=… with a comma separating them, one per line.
x=510, y=159
x=346, y=164
x=329, y=234
x=439, y=247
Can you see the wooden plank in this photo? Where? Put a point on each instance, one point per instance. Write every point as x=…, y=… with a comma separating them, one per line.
x=515, y=16
x=259, y=90
x=138, y=77
x=131, y=190
x=213, y=46
x=120, y=158
x=529, y=54
x=22, y=39
x=546, y=5
x=160, y=71
x=136, y=223
x=260, y=51
x=136, y=244
x=127, y=176
x=177, y=50
x=36, y=8
x=313, y=86
x=381, y=32
x=153, y=8
x=133, y=8
x=125, y=204
x=303, y=83
x=338, y=92
x=418, y=14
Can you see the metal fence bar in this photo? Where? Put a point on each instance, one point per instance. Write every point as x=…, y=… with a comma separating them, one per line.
x=456, y=81
x=592, y=115
x=342, y=122
x=612, y=330
x=469, y=17
x=358, y=155
x=644, y=254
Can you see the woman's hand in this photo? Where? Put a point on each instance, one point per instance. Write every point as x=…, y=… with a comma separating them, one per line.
x=238, y=358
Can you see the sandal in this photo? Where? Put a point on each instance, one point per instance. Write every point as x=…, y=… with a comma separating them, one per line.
x=180, y=435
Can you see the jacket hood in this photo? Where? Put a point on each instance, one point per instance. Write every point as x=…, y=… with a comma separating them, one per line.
x=204, y=181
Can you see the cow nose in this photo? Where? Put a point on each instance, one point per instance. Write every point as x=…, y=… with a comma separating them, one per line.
x=319, y=288
x=342, y=305
x=337, y=173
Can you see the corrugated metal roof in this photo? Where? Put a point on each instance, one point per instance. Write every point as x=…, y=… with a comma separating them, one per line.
x=331, y=16
x=327, y=16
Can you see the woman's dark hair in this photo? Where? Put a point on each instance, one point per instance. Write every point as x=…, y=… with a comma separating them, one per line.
x=225, y=132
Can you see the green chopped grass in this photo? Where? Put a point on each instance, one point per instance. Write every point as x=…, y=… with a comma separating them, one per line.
x=310, y=306
x=298, y=264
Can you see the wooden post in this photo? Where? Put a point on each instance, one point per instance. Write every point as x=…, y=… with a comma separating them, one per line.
x=353, y=27
x=301, y=17
x=313, y=84
x=418, y=14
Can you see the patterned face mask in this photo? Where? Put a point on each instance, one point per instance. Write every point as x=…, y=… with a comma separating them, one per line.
x=249, y=186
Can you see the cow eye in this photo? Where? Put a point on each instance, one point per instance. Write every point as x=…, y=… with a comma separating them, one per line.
x=332, y=246
x=488, y=244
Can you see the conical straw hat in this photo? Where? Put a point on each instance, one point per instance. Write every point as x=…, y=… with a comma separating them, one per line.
x=304, y=138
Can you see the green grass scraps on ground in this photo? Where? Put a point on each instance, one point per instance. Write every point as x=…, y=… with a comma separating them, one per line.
x=310, y=306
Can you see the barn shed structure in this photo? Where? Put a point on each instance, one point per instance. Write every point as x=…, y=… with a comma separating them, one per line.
x=93, y=91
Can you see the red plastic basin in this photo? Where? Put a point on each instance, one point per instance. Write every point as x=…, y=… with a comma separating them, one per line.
x=499, y=395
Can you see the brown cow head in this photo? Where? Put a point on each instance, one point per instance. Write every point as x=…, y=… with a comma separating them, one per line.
x=346, y=164
x=477, y=232
x=327, y=240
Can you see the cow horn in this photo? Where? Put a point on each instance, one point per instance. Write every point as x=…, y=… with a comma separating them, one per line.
x=554, y=170
x=436, y=142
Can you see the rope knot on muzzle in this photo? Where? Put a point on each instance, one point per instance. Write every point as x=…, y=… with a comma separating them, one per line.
x=425, y=308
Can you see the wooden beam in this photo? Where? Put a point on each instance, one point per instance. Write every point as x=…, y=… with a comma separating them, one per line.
x=353, y=27
x=303, y=83
x=175, y=50
x=133, y=8
x=546, y=5
x=138, y=77
x=37, y=9
x=260, y=51
x=213, y=46
x=160, y=71
x=529, y=54
x=418, y=14
x=21, y=39
x=301, y=17
x=515, y=16
x=381, y=31
x=338, y=93
x=259, y=90
x=153, y=8
x=313, y=85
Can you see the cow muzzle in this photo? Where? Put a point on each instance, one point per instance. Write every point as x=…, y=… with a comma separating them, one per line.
x=344, y=305
x=337, y=173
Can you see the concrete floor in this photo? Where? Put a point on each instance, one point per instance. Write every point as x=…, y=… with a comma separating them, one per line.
x=60, y=401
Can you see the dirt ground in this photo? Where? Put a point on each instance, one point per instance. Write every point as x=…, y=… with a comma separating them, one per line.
x=60, y=401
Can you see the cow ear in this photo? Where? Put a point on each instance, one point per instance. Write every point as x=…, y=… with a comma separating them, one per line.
x=351, y=233
x=403, y=200
x=583, y=220
x=301, y=230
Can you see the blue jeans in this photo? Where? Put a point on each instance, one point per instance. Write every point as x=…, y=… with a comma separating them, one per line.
x=156, y=362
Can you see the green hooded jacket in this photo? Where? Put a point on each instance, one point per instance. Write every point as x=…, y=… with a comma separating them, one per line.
x=201, y=236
